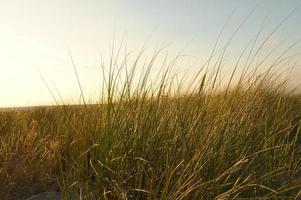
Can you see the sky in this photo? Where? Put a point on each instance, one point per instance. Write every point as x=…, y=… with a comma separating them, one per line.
x=38, y=36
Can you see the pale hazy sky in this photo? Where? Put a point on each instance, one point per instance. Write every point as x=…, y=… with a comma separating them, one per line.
x=37, y=34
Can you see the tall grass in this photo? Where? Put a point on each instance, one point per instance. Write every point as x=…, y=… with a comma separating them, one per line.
x=162, y=137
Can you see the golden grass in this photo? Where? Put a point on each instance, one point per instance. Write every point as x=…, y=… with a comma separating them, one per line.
x=151, y=139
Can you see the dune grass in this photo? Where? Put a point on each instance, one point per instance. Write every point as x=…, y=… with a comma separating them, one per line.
x=161, y=137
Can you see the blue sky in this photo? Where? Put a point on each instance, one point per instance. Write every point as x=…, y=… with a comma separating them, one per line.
x=37, y=34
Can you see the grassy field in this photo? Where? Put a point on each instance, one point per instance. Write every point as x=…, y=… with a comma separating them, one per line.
x=190, y=139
